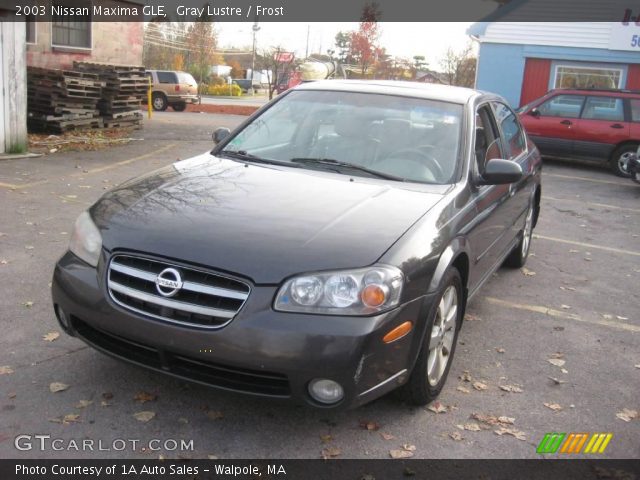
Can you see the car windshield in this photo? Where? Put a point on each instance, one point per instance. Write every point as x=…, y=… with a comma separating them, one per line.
x=390, y=137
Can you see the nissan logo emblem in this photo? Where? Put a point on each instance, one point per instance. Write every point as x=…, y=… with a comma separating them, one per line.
x=168, y=282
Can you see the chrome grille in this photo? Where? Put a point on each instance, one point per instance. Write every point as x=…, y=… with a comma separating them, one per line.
x=204, y=299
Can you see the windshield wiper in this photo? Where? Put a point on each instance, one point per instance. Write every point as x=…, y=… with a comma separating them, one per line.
x=249, y=157
x=338, y=164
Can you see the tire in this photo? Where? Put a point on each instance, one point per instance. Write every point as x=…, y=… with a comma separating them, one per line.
x=179, y=107
x=620, y=158
x=518, y=256
x=159, y=102
x=427, y=380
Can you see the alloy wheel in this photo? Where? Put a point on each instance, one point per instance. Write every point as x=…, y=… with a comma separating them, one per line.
x=442, y=335
x=528, y=230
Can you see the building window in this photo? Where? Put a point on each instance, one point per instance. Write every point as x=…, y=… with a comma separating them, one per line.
x=571, y=76
x=30, y=25
x=71, y=30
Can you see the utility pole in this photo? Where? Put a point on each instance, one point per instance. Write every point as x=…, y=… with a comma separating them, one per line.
x=306, y=53
x=254, y=29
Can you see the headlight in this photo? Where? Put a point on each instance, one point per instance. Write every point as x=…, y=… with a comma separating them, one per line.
x=86, y=241
x=364, y=291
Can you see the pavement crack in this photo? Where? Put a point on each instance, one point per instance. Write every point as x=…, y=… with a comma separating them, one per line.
x=54, y=357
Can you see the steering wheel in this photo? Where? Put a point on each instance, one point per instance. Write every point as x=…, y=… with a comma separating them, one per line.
x=417, y=157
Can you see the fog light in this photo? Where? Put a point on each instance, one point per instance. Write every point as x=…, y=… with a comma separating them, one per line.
x=325, y=391
x=62, y=317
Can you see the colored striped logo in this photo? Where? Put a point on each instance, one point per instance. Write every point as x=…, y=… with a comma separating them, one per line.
x=574, y=443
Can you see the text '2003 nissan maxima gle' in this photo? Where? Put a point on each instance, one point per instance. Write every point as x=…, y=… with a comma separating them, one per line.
x=324, y=251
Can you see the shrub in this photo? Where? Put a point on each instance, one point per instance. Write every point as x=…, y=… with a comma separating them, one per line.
x=225, y=90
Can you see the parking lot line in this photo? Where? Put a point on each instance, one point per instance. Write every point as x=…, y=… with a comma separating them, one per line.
x=582, y=202
x=124, y=162
x=587, y=245
x=587, y=179
x=13, y=186
x=564, y=315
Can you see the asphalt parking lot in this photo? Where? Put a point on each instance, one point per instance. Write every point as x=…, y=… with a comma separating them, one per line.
x=576, y=304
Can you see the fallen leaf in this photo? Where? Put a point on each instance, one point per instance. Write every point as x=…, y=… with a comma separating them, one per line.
x=480, y=386
x=511, y=388
x=526, y=272
x=558, y=329
x=144, y=397
x=3, y=261
x=107, y=395
x=500, y=350
x=183, y=420
x=105, y=403
x=326, y=438
x=587, y=259
x=51, y=336
x=637, y=366
x=58, y=387
x=472, y=427
x=28, y=247
x=437, y=407
x=72, y=417
x=409, y=448
x=607, y=316
x=511, y=431
x=387, y=436
x=144, y=416
x=368, y=425
x=627, y=415
x=574, y=251
x=28, y=304
x=564, y=370
x=556, y=381
x=456, y=436
x=620, y=317
x=12, y=395
x=558, y=362
x=212, y=457
x=400, y=454
x=493, y=420
x=470, y=317
x=553, y=406
x=463, y=389
x=565, y=307
x=557, y=355
x=330, y=452
x=6, y=370
x=214, y=415
x=84, y=403
x=465, y=377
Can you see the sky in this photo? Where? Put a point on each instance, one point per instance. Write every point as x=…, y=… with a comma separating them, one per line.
x=400, y=39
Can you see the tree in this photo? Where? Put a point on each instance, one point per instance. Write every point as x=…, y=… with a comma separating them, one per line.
x=459, y=68
x=343, y=47
x=271, y=61
x=201, y=40
x=178, y=62
x=419, y=63
x=364, y=41
x=236, y=69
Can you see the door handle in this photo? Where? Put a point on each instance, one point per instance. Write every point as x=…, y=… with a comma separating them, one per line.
x=617, y=125
x=566, y=122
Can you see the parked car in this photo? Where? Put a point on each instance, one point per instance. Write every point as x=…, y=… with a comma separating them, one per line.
x=589, y=124
x=324, y=251
x=172, y=88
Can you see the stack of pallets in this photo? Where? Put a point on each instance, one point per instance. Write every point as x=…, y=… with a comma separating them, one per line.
x=62, y=100
x=125, y=88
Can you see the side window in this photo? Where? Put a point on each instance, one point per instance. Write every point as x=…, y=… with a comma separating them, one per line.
x=511, y=129
x=167, y=77
x=567, y=106
x=635, y=109
x=603, y=108
x=487, y=142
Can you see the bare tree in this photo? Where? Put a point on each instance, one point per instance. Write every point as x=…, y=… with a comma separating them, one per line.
x=459, y=68
x=278, y=63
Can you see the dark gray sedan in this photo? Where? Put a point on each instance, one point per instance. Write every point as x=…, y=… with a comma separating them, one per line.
x=323, y=251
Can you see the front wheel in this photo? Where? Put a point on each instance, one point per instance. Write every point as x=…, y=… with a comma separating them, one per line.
x=159, y=102
x=436, y=354
x=518, y=256
x=620, y=159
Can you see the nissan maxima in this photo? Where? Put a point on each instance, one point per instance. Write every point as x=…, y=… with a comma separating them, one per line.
x=324, y=251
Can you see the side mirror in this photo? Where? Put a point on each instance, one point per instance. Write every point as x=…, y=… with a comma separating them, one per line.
x=498, y=171
x=534, y=112
x=220, y=134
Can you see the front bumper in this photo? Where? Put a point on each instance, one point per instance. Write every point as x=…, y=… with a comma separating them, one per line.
x=261, y=352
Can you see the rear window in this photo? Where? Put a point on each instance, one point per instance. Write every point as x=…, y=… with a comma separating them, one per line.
x=603, y=108
x=186, y=78
x=167, y=77
x=635, y=109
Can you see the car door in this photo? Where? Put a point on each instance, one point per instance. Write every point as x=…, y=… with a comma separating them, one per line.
x=601, y=127
x=515, y=149
x=634, y=116
x=551, y=125
x=487, y=230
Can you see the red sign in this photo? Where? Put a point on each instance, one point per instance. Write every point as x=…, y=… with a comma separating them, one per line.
x=284, y=57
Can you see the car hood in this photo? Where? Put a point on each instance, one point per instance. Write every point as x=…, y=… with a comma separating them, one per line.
x=260, y=221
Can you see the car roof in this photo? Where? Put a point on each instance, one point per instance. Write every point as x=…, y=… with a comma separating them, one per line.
x=431, y=91
x=598, y=91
